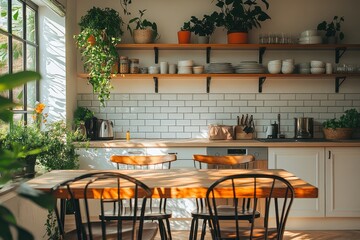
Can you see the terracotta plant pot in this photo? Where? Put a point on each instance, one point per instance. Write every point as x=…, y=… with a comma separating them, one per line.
x=143, y=36
x=338, y=133
x=237, y=37
x=184, y=37
x=91, y=40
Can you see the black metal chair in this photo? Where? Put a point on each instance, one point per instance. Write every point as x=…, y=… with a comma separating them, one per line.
x=94, y=187
x=224, y=211
x=254, y=184
x=156, y=210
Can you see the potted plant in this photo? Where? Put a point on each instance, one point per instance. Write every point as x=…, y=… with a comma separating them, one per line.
x=343, y=127
x=145, y=31
x=184, y=34
x=203, y=28
x=332, y=29
x=101, y=31
x=83, y=119
x=240, y=16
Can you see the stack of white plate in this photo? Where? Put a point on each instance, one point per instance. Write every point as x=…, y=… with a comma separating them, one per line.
x=249, y=67
x=310, y=37
x=185, y=66
x=317, y=67
x=219, y=68
x=304, y=68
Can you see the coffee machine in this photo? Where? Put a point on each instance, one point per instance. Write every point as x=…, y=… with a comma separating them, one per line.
x=304, y=127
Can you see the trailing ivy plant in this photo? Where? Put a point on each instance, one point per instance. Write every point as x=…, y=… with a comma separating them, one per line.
x=101, y=31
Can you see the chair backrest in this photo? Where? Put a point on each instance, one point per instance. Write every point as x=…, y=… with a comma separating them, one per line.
x=144, y=161
x=100, y=186
x=227, y=161
x=249, y=185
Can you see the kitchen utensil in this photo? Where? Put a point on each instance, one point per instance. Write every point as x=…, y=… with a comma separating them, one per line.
x=105, y=129
x=304, y=127
x=269, y=131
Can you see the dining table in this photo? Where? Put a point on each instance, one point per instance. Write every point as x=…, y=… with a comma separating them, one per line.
x=174, y=183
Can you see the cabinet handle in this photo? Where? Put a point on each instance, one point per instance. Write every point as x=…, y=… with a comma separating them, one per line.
x=170, y=153
x=329, y=155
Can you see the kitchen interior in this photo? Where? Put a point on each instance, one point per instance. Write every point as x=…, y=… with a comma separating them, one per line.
x=184, y=115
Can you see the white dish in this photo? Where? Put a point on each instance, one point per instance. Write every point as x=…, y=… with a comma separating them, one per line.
x=308, y=33
x=274, y=69
x=317, y=70
x=275, y=62
x=317, y=64
x=185, y=63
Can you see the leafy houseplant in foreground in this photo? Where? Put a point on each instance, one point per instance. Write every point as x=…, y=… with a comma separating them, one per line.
x=332, y=29
x=99, y=34
x=343, y=127
x=240, y=16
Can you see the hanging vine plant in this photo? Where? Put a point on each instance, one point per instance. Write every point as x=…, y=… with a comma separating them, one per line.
x=101, y=31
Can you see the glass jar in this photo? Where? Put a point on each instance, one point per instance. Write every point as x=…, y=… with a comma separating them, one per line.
x=134, y=65
x=124, y=64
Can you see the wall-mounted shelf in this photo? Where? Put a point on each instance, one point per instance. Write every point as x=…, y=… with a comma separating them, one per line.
x=339, y=78
x=339, y=49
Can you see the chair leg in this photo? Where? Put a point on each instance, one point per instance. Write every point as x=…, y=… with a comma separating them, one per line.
x=162, y=230
x=203, y=231
x=193, y=229
x=168, y=228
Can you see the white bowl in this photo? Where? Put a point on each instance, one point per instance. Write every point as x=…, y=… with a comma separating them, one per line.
x=291, y=61
x=274, y=68
x=310, y=40
x=185, y=63
x=309, y=33
x=275, y=62
x=317, y=70
x=317, y=64
x=198, y=69
x=287, y=69
x=154, y=70
x=184, y=70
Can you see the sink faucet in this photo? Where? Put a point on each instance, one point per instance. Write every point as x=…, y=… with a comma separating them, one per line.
x=279, y=133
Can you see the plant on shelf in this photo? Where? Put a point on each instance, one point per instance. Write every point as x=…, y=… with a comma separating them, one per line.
x=343, y=127
x=101, y=31
x=240, y=16
x=144, y=31
x=204, y=27
x=332, y=29
x=184, y=34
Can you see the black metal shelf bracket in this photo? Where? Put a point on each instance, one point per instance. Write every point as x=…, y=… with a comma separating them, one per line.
x=208, y=52
x=338, y=82
x=261, y=53
x=208, y=81
x=156, y=83
x=339, y=51
x=156, y=52
x=261, y=82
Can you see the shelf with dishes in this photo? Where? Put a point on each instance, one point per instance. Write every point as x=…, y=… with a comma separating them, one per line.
x=339, y=78
x=339, y=49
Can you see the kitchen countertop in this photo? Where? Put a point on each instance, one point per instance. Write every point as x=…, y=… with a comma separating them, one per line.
x=199, y=142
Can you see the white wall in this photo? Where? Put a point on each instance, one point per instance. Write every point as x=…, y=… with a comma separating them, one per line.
x=290, y=97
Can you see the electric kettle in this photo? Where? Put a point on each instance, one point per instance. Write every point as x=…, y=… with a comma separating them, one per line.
x=304, y=127
x=105, y=129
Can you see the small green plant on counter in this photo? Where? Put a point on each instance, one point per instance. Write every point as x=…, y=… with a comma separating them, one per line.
x=81, y=115
x=350, y=119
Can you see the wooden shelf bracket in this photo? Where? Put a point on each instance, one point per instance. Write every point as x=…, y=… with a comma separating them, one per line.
x=156, y=83
x=339, y=51
x=208, y=81
x=338, y=82
x=261, y=82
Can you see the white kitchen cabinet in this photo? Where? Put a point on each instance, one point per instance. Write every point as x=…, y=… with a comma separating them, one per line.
x=342, y=182
x=307, y=164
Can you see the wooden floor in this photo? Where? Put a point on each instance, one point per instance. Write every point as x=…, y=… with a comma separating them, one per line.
x=293, y=235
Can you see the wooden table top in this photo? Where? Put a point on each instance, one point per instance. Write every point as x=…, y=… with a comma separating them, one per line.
x=176, y=183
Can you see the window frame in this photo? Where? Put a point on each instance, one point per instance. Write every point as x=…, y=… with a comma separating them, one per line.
x=25, y=42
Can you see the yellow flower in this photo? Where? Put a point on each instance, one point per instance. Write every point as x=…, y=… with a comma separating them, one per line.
x=40, y=108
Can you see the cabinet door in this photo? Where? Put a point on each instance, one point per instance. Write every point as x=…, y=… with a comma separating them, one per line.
x=342, y=182
x=307, y=164
x=184, y=155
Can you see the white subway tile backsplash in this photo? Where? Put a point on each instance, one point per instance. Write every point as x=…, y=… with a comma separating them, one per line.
x=155, y=115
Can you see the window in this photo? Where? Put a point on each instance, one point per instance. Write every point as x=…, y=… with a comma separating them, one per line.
x=19, y=51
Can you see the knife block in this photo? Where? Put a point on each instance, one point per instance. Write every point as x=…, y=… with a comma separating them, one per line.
x=240, y=134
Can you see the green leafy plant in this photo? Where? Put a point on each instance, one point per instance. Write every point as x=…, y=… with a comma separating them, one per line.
x=332, y=28
x=241, y=15
x=205, y=26
x=141, y=23
x=9, y=162
x=186, y=26
x=101, y=31
x=81, y=115
x=350, y=119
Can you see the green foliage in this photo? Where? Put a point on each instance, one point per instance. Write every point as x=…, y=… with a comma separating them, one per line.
x=99, y=57
x=186, y=26
x=241, y=15
x=350, y=119
x=141, y=23
x=205, y=26
x=332, y=27
x=81, y=115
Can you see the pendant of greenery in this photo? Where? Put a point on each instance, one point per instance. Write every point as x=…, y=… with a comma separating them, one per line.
x=100, y=32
